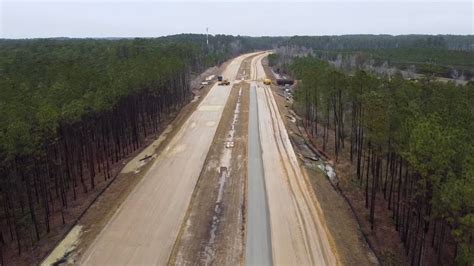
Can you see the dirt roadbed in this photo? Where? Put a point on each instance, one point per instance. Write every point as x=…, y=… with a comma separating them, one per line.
x=214, y=228
x=341, y=223
x=213, y=231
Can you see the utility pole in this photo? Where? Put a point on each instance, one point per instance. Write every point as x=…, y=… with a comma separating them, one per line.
x=207, y=37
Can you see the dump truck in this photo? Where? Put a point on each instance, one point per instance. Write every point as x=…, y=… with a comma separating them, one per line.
x=224, y=83
x=267, y=82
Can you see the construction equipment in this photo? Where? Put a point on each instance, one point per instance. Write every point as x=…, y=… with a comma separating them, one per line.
x=225, y=82
x=267, y=82
x=283, y=82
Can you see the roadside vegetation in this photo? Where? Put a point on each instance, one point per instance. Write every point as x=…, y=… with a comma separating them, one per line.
x=412, y=147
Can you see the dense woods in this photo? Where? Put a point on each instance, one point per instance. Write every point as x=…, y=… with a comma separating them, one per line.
x=71, y=109
x=442, y=55
x=362, y=42
x=412, y=145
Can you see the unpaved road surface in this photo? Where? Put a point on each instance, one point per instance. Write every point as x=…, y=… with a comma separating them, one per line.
x=297, y=230
x=213, y=232
x=145, y=227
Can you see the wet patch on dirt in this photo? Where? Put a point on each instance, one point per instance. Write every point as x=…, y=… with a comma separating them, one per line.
x=224, y=173
x=64, y=252
x=147, y=154
x=213, y=231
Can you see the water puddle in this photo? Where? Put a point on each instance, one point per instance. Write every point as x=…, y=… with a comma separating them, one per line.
x=329, y=171
x=291, y=118
x=146, y=154
x=63, y=253
x=196, y=97
x=142, y=162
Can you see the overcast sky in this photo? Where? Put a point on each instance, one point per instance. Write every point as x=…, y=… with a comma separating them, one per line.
x=151, y=18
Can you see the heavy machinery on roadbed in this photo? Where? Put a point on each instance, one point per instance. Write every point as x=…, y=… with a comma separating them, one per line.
x=267, y=81
x=225, y=82
x=283, y=82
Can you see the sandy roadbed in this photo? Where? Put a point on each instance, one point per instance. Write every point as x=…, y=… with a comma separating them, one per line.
x=212, y=232
x=214, y=229
x=298, y=232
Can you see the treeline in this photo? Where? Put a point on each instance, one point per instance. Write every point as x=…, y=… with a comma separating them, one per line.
x=441, y=55
x=426, y=61
x=70, y=110
x=412, y=144
x=371, y=42
x=224, y=45
x=430, y=54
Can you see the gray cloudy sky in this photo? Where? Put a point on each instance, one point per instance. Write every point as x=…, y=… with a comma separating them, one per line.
x=150, y=18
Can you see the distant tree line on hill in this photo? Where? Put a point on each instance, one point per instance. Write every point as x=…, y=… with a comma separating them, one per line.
x=412, y=145
x=439, y=55
x=374, y=42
